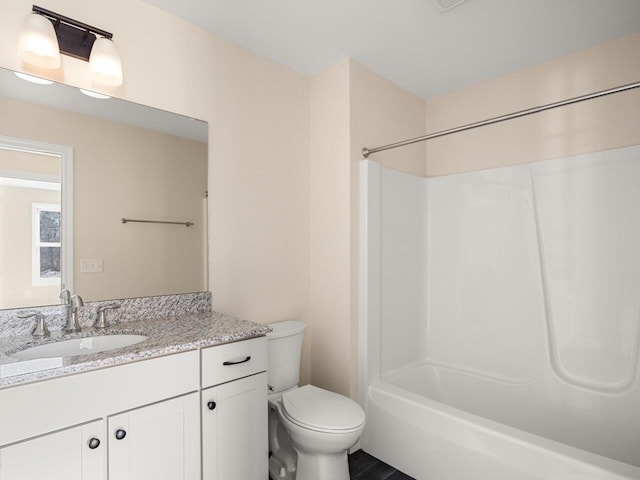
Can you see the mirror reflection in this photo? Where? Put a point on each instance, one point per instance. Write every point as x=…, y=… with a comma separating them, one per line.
x=71, y=167
x=30, y=222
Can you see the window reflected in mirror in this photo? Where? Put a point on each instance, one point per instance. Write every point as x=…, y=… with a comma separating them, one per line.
x=30, y=221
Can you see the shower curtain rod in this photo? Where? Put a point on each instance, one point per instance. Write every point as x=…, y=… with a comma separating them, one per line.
x=510, y=116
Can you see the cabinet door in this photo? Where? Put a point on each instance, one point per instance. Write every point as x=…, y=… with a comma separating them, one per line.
x=156, y=442
x=234, y=430
x=74, y=454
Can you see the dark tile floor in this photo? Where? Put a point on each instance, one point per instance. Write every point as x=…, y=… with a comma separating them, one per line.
x=363, y=466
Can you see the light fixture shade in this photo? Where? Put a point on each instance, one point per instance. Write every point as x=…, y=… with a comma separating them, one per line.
x=104, y=63
x=38, y=44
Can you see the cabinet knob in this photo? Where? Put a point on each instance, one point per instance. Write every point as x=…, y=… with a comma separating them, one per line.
x=120, y=434
x=211, y=405
x=94, y=443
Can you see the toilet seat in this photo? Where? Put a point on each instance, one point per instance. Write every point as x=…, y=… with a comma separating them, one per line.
x=320, y=410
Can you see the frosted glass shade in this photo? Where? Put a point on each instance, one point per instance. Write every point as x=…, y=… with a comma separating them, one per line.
x=38, y=44
x=104, y=63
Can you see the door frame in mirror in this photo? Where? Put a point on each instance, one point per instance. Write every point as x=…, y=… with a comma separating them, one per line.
x=65, y=153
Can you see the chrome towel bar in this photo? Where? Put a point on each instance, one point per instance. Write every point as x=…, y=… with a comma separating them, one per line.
x=187, y=224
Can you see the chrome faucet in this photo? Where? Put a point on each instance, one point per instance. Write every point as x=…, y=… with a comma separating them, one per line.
x=65, y=299
x=71, y=302
x=65, y=296
x=101, y=319
x=40, y=328
x=72, y=324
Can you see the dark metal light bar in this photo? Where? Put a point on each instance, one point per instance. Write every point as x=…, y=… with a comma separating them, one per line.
x=74, y=38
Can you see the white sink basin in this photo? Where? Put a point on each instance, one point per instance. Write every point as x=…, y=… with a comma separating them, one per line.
x=79, y=346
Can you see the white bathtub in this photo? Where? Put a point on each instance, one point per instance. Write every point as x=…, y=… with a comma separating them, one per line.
x=437, y=423
x=499, y=320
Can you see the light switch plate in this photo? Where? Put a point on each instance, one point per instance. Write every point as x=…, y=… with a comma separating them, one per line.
x=91, y=265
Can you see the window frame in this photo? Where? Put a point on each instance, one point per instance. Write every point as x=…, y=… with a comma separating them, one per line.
x=36, y=244
x=65, y=153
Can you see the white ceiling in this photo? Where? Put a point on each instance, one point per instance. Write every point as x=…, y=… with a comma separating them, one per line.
x=411, y=42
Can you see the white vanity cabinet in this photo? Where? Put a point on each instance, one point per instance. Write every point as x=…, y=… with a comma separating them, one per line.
x=46, y=427
x=234, y=411
x=159, y=442
x=195, y=415
x=74, y=454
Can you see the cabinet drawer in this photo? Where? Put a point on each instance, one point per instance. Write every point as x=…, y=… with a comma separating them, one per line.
x=224, y=363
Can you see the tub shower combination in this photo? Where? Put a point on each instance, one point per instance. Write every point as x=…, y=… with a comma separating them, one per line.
x=500, y=321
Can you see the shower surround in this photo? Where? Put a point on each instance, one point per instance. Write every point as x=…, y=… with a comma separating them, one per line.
x=500, y=319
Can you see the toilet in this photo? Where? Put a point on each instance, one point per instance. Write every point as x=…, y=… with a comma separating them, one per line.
x=310, y=429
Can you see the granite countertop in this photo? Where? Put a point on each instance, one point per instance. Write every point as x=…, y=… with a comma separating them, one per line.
x=167, y=335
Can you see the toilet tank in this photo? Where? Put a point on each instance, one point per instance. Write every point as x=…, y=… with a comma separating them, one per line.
x=284, y=345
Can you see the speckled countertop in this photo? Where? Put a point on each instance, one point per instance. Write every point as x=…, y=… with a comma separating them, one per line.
x=166, y=335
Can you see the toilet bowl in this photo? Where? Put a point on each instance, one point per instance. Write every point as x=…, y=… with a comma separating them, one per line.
x=310, y=429
x=320, y=434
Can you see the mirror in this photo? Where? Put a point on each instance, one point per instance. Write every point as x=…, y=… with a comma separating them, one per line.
x=72, y=168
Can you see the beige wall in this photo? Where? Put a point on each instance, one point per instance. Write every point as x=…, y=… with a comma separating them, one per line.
x=383, y=113
x=329, y=232
x=586, y=127
x=351, y=107
x=123, y=171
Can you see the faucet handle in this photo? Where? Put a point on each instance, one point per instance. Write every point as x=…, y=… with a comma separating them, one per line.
x=76, y=301
x=40, y=328
x=101, y=320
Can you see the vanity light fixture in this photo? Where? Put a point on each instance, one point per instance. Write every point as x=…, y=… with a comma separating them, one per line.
x=46, y=34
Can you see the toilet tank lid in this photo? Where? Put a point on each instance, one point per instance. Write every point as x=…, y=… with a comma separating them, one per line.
x=285, y=329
